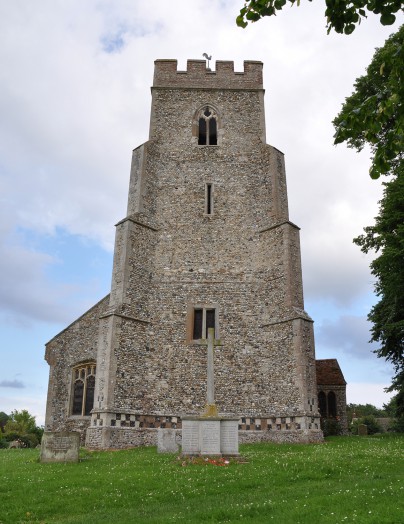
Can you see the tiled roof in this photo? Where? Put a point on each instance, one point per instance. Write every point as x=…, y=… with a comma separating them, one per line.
x=329, y=373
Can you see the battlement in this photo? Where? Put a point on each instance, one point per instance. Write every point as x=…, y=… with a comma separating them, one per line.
x=198, y=75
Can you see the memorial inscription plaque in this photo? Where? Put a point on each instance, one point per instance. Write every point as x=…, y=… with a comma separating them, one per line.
x=60, y=446
x=210, y=437
x=229, y=437
x=190, y=437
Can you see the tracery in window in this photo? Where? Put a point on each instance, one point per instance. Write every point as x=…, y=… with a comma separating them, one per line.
x=83, y=389
x=207, y=127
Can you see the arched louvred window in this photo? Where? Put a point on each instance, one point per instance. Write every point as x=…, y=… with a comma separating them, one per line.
x=83, y=389
x=332, y=404
x=322, y=404
x=207, y=127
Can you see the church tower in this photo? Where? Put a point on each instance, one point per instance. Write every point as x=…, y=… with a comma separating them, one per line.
x=206, y=242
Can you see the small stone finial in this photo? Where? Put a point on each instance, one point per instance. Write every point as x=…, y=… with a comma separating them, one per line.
x=207, y=57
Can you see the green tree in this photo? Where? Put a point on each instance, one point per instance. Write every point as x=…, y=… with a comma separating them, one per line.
x=20, y=422
x=342, y=15
x=362, y=410
x=3, y=419
x=392, y=410
x=374, y=113
x=387, y=316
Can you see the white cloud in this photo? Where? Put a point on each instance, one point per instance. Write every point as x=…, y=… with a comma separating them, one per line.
x=365, y=393
x=33, y=403
x=16, y=384
x=26, y=293
x=347, y=333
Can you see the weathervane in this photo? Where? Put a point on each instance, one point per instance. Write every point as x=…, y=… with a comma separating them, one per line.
x=207, y=58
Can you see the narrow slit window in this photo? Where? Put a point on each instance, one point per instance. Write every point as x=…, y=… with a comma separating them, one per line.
x=209, y=199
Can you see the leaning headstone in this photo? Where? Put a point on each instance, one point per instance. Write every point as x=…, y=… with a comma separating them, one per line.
x=60, y=446
x=166, y=442
x=362, y=429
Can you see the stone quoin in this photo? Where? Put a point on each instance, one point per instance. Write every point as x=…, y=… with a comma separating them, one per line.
x=206, y=243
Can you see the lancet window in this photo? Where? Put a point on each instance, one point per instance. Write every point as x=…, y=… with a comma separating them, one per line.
x=83, y=389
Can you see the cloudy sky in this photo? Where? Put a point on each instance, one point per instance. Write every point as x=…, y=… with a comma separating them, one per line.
x=74, y=101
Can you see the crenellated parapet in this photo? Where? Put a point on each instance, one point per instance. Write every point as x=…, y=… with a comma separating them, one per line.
x=198, y=75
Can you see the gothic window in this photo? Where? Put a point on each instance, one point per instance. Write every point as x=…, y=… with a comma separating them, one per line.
x=207, y=127
x=83, y=389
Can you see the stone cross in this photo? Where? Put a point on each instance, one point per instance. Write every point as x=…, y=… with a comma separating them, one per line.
x=210, y=408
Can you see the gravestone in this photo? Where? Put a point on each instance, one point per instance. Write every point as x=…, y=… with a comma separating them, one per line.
x=166, y=442
x=362, y=429
x=60, y=446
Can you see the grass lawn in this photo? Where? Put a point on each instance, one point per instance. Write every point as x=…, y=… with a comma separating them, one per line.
x=347, y=479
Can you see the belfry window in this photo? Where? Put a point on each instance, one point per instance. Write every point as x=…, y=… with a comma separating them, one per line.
x=204, y=318
x=83, y=389
x=207, y=122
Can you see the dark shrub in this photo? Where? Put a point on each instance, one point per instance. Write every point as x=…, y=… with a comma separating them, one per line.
x=330, y=427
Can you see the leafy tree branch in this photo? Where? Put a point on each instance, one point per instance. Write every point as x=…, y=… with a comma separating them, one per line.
x=342, y=15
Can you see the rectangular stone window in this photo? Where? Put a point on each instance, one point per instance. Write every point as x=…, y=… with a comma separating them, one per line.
x=200, y=319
